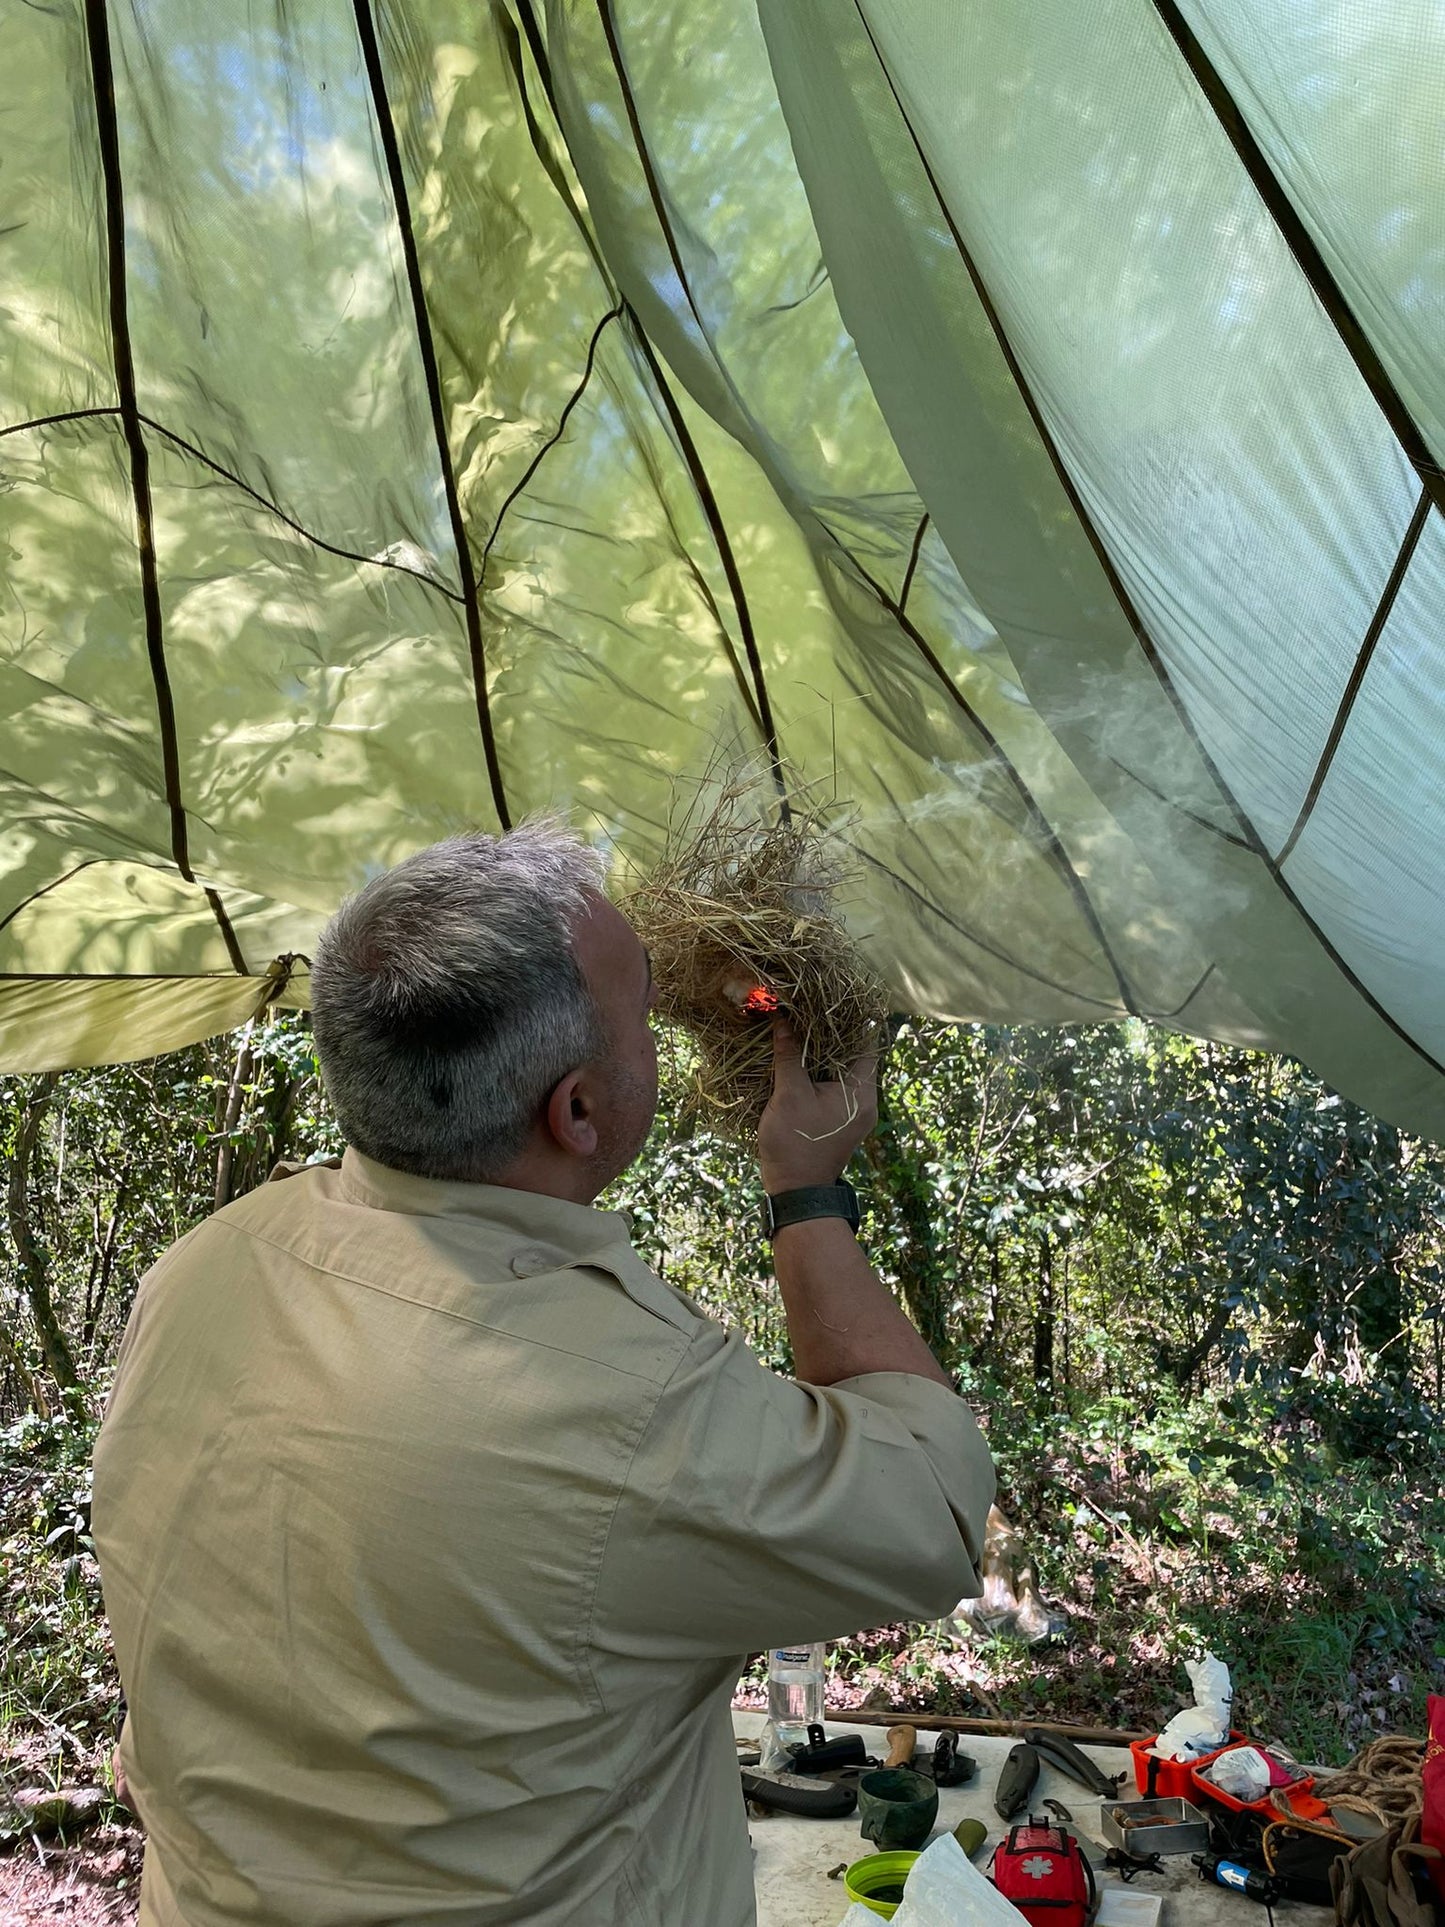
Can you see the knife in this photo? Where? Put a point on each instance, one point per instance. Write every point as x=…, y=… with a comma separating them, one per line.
x=803, y=1795
x=1068, y=1759
x=1016, y=1782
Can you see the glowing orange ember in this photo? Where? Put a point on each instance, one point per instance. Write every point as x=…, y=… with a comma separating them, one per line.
x=760, y=1001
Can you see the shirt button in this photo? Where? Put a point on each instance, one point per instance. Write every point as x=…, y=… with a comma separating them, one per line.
x=527, y=1263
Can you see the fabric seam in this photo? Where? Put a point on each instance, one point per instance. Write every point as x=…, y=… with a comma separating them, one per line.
x=605, y=1537
x=441, y=1311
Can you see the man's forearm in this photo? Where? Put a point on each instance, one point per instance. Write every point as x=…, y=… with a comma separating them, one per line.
x=842, y=1320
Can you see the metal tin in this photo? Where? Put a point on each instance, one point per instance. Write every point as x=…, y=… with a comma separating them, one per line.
x=1142, y=1827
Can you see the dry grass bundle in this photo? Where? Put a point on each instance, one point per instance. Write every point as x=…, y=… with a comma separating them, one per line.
x=740, y=919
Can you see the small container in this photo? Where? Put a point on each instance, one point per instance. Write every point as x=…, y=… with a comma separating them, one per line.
x=1123, y=1907
x=1160, y=1779
x=875, y=1874
x=1142, y=1827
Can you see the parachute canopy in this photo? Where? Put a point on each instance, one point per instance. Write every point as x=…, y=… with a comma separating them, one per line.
x=418, y=413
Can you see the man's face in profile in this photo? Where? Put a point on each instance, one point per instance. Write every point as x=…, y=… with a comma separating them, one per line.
x=619, y=975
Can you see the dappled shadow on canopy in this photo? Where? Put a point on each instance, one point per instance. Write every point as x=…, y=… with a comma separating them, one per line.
x=413, y=415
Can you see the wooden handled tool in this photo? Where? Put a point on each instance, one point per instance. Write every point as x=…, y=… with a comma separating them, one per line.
x=902, y=1743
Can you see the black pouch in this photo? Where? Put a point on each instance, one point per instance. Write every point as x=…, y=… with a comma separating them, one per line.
x=1300, y=1859
x=1237, y=1836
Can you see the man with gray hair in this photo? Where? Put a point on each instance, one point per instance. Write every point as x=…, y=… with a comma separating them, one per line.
x=435, y=1529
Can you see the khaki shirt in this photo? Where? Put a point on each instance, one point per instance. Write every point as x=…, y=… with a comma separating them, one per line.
x=435, y=1530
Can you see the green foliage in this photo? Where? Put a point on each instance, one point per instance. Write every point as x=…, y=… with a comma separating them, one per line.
x=1196, y=1295
x=128, y=1160
x=1072, y=1215
x=1226, y=1520
x=58, y=1690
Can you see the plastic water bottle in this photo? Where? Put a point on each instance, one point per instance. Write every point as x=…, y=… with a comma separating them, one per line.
x=795, y=1692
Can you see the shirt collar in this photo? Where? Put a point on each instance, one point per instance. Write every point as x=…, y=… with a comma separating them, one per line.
x=554, y=1232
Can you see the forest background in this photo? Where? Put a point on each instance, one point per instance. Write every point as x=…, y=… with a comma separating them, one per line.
x=1195, y=1295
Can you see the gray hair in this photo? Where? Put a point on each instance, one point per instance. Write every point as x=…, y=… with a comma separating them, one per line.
x=447, y=1003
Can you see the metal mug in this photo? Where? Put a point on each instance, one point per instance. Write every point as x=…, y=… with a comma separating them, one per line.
x=897, y=1807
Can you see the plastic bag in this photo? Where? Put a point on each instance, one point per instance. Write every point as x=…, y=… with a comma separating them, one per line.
x=1243, y=1772
x=1203, y=1727
x=944, y=1889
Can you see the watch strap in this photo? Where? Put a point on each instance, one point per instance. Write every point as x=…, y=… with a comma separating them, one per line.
x=811, y=1201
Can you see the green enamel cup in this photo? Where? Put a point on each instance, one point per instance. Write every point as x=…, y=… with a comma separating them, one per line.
x=897, y=1807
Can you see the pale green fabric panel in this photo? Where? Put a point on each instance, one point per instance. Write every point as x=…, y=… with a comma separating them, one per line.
x=78, y=740
x=607, y=630
x=937, y=368
x=1212, y=410
x=513, y=295
x=739, y=457
x=1369, y=855
x=603, y=666
x=1201, y=400
x=267, y=304
x=49, y=1024
x=707, y=298
x=113, y=918
x=754, y=298
x=302, y=770
x=946, y=389
x=857, y=706
x=52, y=281
x=1345, y=97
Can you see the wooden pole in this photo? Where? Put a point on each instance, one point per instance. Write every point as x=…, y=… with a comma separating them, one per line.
x=954, y=1723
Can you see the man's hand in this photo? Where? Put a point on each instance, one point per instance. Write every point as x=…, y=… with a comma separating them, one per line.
x=842, y=1322
x=809, y=1131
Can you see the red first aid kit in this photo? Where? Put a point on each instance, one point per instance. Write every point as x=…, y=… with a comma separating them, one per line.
x=1042, y=1871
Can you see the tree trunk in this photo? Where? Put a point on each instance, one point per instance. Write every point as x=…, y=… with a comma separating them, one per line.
x=993, y=1301
x=1184, y=1370
x=235, y=1094
x=280, y=1110
x=1044, y=1327
x=12, y=1363
x=1066, y=1309
x=1378, y=1302
x=920, y=1272
x=99, y=1288
x=34, y=1268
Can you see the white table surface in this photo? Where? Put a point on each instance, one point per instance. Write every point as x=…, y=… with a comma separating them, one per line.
x=791, y=1857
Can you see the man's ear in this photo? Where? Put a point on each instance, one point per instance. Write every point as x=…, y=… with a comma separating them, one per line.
x=571, y=1118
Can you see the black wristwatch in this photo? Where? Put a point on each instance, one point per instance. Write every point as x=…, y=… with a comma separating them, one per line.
x=838, y=1200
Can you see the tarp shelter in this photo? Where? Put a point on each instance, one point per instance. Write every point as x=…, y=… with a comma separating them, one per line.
x=416, y=413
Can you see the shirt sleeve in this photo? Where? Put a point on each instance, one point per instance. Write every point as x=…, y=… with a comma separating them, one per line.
x=759, y=1511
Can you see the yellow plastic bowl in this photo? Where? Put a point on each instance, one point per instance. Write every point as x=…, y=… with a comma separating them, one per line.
x=879, y=1871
